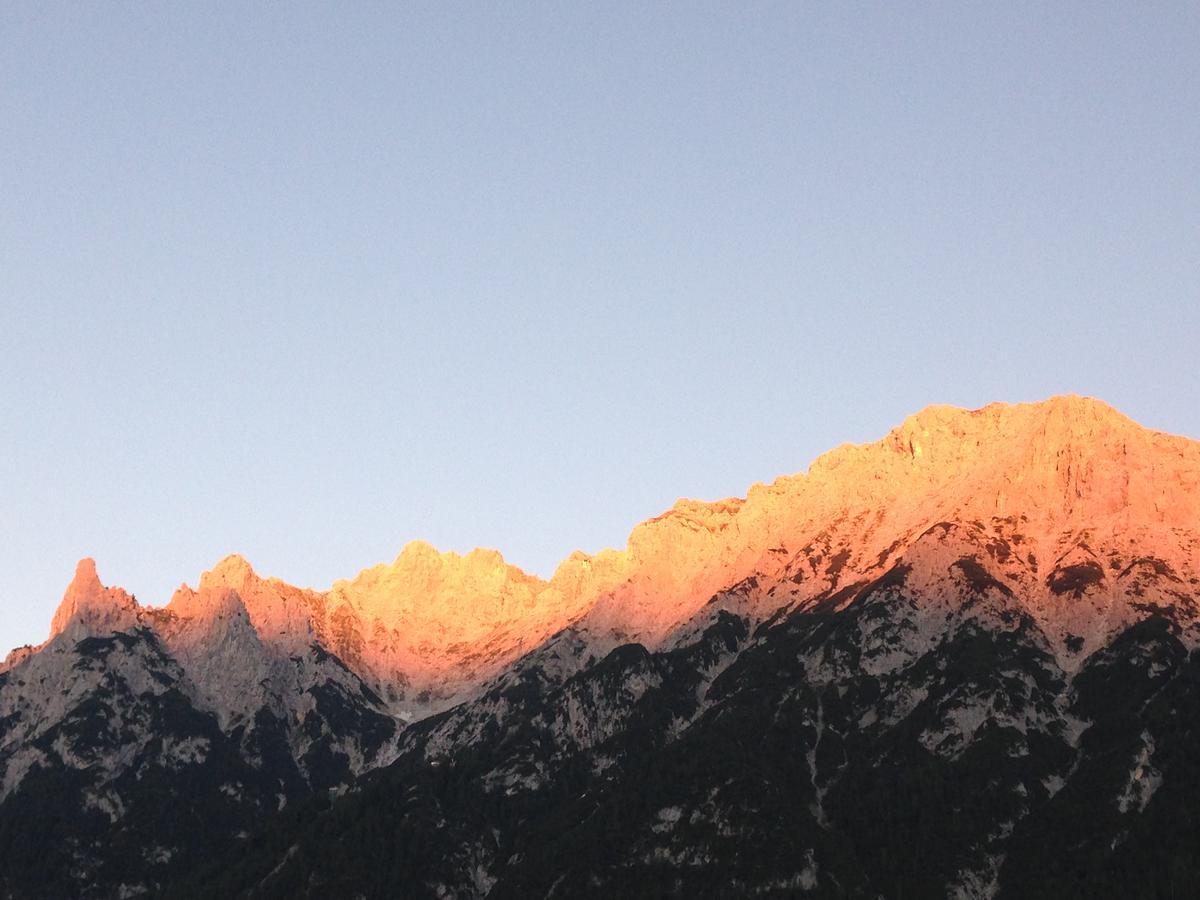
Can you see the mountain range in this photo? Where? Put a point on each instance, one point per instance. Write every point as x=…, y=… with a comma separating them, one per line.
x=959, y=661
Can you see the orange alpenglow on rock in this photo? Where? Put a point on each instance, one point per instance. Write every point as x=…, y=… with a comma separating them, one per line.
x=89, y=606
x=1031, y=490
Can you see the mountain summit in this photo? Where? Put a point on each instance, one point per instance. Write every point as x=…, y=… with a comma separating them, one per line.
x=87, y=604
x=953, y=661
x=428, y=627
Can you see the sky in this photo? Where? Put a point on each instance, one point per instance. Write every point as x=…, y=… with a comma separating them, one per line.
x=309, y=281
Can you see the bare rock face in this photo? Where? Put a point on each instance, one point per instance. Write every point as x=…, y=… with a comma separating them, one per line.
x=88, y=606
x=1053, y=491
x=431, y=616
x=1061, y=500
x=281, y=614
x=1048, y=487
x=956, y=599
x=211, y=635
x=960, y=661
x=1042, y=484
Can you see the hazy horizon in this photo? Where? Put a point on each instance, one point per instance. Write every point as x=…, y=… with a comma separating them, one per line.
x=305, y=284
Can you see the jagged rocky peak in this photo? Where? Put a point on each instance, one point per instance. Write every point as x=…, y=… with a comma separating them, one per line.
x=210, y=601
x=219, y=594
x=1069, y=482
x=281, y=614
x=422, y=576
x=90, y=605
x=431, y=612
x=1070, y=455
x=1051, y=475
x=954, y=602
x=234, y=571
x=440, y=598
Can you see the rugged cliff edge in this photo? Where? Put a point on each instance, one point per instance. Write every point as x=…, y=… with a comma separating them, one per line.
x=958, y=661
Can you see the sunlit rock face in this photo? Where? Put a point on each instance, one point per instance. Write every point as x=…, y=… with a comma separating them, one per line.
x=1036, y=488
x=955, y=600
x=89, y=606
x=1036, y=482
x=1040, y=492
x=961, y=661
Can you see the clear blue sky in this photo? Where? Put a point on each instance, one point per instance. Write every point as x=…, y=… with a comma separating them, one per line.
x=307, y=281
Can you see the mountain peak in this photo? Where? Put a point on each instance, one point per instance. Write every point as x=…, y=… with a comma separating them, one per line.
x=1069, y=455
x=1066, y=418
x=1061, y=466
x=86, y=581
x=233, y=572
x=423, y=575
x=419, y=554
x=87, y=600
